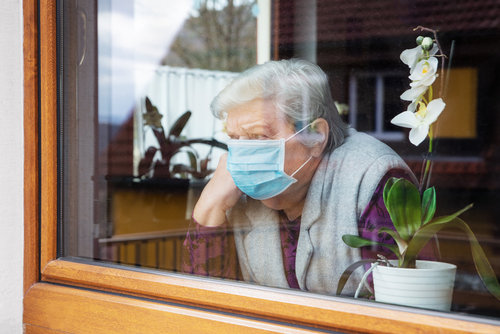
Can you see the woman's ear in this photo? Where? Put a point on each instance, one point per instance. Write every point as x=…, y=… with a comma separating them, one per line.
x=320, y=129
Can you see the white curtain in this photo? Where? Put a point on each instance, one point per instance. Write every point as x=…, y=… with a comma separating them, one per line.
x=174, y=91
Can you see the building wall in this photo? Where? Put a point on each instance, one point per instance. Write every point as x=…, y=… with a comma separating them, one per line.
x=11, y=166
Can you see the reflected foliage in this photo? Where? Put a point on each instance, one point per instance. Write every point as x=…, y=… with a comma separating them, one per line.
x=218, y=35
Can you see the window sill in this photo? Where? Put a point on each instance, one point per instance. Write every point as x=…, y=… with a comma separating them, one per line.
x=51, y=308
x=238, y=299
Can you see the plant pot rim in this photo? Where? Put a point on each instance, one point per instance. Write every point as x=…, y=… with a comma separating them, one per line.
x=423, y=263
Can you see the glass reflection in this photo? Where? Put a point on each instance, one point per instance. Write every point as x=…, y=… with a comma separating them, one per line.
x=140, y=142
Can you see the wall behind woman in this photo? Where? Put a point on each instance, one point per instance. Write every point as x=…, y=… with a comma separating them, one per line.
x=11, y=166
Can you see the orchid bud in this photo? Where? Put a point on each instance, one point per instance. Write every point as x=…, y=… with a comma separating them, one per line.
x=419, y=40
x=427, y=44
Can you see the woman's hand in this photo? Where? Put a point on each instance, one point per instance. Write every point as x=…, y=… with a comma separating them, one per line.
x=219, y=195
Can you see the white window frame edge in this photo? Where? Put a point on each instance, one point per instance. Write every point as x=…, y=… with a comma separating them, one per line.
x=379, y=105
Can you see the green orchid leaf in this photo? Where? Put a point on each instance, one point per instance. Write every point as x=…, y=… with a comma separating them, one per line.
x=348, y=272
x=387, y=187
x=428, y=205
x=480, y=260
x=357, y=241
x=402, y=245
x=403, y=204
x=425, y=233
x=445, y=219
x=421, y=238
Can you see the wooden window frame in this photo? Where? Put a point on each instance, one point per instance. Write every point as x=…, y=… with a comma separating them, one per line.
x=74, y=296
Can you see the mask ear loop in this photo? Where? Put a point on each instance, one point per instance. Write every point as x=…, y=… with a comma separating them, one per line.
x=305, y=127
x=301, y=166
x=296, y=133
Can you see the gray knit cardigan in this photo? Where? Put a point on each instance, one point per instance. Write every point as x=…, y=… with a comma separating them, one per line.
x=340, y=190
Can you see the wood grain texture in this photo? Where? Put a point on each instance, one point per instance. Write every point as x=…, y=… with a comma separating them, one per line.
x=31, y=187
x=56, y=307
x=30, y=329
x=275, y=305
x=48, y=91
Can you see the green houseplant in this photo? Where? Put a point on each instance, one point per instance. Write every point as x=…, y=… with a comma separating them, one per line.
x=412, y=209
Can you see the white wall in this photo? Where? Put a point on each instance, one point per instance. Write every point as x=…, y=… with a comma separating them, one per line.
x=11, y=166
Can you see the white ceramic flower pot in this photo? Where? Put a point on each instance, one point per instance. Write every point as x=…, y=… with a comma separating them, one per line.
x=429, y=286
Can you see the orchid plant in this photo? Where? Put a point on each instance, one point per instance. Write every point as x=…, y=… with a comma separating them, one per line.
x=411, y=209
x=423, y=110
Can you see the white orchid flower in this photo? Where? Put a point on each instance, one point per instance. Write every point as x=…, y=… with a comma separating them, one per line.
x=412, y=56
x=420, y=121
x=414, y=95
x=424, y=72
x=412, y=106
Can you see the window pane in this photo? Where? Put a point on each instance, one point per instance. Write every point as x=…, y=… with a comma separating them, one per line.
x=366, y=104
x=140, y=142
x=393, y=105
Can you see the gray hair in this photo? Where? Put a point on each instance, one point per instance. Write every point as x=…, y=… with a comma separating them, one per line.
x=296, y=87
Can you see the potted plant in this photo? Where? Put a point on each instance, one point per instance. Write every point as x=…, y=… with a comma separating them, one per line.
x=170, y=145
x=408, y=281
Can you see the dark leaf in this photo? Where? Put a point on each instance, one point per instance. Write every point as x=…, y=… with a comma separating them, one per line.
x=179, y=168
x=192, y=160
x=179, y=125
x=348, y=272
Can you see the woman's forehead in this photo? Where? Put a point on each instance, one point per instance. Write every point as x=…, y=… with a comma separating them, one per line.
x=257, y=116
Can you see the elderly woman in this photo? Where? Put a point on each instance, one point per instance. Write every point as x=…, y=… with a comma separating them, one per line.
x=295, y=180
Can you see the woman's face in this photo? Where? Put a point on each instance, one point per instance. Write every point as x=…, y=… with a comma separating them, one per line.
x=260, y=120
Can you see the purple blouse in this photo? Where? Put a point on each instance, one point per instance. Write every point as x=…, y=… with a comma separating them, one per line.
x=210, y=251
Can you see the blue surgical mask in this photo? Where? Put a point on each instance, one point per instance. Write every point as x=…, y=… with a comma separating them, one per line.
x=257, y=166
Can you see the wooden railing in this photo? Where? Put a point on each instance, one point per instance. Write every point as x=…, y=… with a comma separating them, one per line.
x=160, y=250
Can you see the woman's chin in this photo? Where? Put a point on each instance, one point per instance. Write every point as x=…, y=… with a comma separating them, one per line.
x=278, y=202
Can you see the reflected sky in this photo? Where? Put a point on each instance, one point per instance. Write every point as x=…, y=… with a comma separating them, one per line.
x=133, y=37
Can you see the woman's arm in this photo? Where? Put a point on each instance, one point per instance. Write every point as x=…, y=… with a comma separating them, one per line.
x=210, y=251
x=219, y=195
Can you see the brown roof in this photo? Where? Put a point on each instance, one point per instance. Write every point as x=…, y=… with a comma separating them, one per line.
x=339, y=20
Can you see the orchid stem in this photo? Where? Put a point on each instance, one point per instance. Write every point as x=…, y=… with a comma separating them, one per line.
x=431, y=135
x=423, y=180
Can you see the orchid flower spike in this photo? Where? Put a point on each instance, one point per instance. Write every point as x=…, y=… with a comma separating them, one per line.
x=412, y=56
